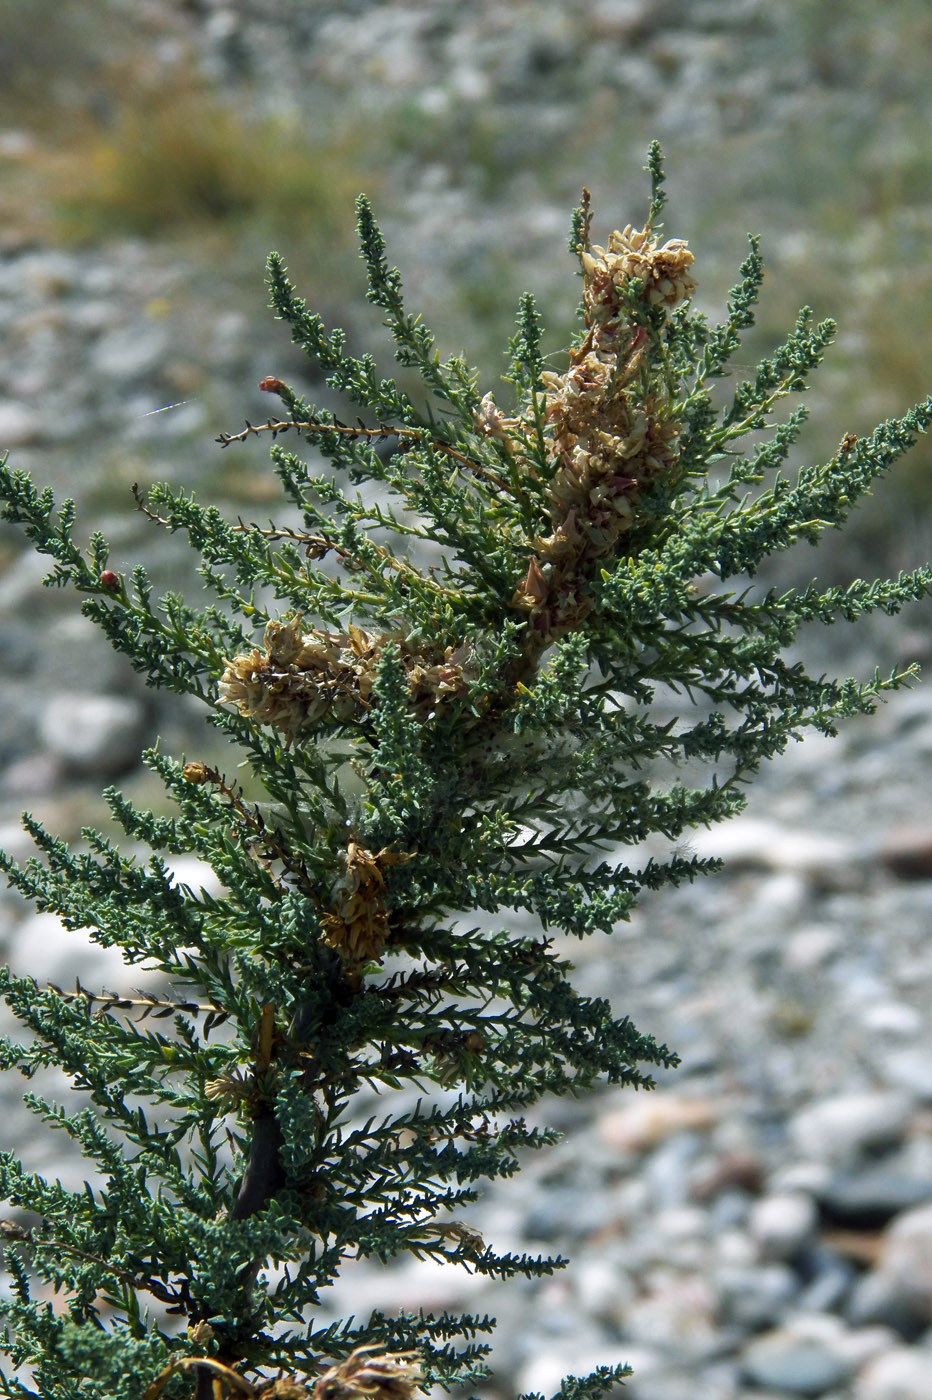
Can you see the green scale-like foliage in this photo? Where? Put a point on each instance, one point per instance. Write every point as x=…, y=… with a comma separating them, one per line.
x=444, y=691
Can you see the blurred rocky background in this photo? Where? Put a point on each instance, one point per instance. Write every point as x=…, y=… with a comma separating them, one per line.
x=762, y=1225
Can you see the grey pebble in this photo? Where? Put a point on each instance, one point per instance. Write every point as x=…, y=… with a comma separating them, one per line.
x=868, y=1199
x=752, y=1297
x=797, y=1361
x=874, y=1299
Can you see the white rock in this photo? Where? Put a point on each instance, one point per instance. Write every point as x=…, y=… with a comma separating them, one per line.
x=18, y=584
x=93, y=734
x=898, y=1374
x=781, y=1225
x=418, y=1283
x=675, y=1310
x=733, y=1250
x=36, y=774
x=810, y=1178
x=906, y=1263
x=893, y=1018
x=812, y=946
x=602, y=1288
x=193, y=872
x=778, y=902
x=79, y=659
x=548, y=1366
x=16, y=841
x=49, y=272
x=863, y=1344
x=41, y=947
x=681, y=1223
x=18, y=425
x=910, y=1069
x=130, y=352
x=837, y=1128
x=754, y=842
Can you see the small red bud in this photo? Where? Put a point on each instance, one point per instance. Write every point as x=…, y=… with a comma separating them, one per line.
x=108, y=579
x=271, y=385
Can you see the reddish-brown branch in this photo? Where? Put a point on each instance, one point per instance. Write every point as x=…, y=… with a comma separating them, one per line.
x=383, y=431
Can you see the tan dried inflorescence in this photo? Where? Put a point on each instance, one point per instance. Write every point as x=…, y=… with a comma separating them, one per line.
x=364, y=1376
x=611, y=430
x=356, y=924
x=633, y=255
x=611, y=425
x=304, y=677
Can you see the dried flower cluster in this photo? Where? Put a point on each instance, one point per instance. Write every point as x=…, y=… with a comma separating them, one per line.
x=390, y=1375
x=304, y=677
x=366, y=1374
x=610, y=423
x=610, y=431
x=633, y=256
x=356, y=924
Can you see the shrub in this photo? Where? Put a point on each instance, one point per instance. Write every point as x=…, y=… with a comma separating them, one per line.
x=441, y=691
